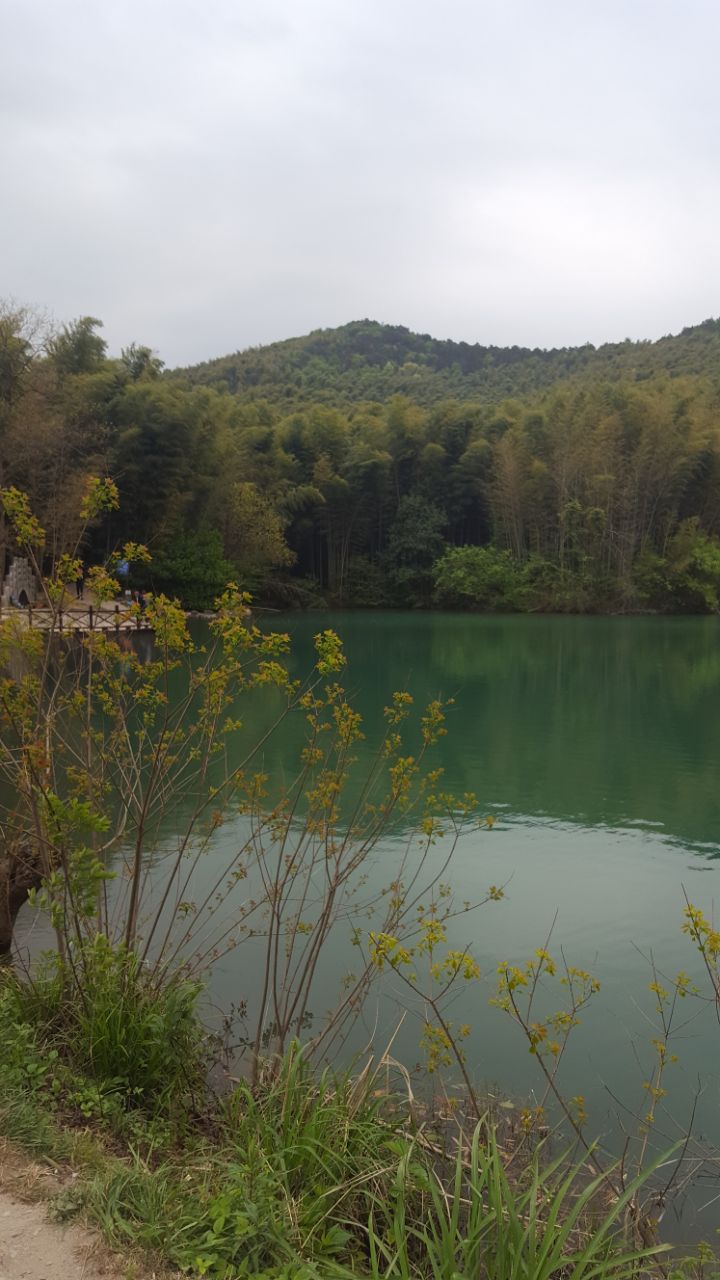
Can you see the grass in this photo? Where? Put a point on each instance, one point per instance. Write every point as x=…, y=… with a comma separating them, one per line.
x=303, y=1177
x=479, y=1223
x=105, y=1017
x=287, y=1181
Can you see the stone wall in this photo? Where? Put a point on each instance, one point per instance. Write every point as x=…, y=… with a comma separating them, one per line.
x=19, y=586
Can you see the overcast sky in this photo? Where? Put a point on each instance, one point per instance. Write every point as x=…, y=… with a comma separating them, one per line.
x=206, y=175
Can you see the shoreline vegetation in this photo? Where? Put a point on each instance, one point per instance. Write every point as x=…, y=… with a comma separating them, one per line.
x=294, y=1169
x=308, y=1174
x=371, y=467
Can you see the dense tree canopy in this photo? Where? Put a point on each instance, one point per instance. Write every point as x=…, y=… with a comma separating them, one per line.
x=365, y=360
x=576, y=480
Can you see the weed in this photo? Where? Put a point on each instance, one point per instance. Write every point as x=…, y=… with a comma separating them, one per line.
x=135, y=1044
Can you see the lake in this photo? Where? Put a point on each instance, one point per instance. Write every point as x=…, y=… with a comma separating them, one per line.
x=595, y=744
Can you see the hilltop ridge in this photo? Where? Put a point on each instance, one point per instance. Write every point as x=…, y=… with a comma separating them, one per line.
x=367, y=360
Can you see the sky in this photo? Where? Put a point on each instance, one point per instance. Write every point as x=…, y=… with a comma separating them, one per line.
x=208, y=175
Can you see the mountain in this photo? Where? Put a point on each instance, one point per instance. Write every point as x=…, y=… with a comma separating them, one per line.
x=365, y=360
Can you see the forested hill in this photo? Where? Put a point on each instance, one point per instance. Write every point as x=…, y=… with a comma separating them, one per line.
x=572, y=480
x=365, y=360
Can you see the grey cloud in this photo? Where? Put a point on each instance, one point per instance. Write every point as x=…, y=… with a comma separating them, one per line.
x=210, y=176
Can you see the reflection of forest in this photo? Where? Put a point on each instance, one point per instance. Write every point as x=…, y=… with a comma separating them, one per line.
x=603, y=720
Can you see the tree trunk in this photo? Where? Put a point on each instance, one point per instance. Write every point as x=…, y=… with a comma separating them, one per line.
x=20, y=872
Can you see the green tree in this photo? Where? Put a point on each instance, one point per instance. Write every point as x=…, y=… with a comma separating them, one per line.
x=254, y=538
x=693, y=569
x=141, y=362
x=415, y=542
x=162, y=458
x=478, y=578
x=78, y=348
x=192, y=567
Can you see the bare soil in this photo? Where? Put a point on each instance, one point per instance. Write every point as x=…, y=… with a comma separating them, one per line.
x=33, y=1246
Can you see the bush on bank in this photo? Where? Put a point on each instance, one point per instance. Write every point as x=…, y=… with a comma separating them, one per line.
x=303, y=1175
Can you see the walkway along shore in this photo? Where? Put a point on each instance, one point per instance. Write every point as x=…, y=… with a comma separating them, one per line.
x=111, y=617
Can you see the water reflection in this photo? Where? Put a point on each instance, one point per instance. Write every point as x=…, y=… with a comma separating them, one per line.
x=597, y=720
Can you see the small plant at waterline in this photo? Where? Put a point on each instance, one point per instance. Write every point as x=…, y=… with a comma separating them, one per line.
x=101, y=1015
x=320, y=1178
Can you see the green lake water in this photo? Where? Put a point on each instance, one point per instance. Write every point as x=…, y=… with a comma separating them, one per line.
x=595, y=743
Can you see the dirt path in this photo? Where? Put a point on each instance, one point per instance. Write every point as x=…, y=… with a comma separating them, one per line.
x=34, y=1248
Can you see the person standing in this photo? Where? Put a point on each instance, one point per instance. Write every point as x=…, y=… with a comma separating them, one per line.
x=80, y=583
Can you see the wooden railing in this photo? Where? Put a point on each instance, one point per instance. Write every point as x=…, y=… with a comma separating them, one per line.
x=79, y=618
